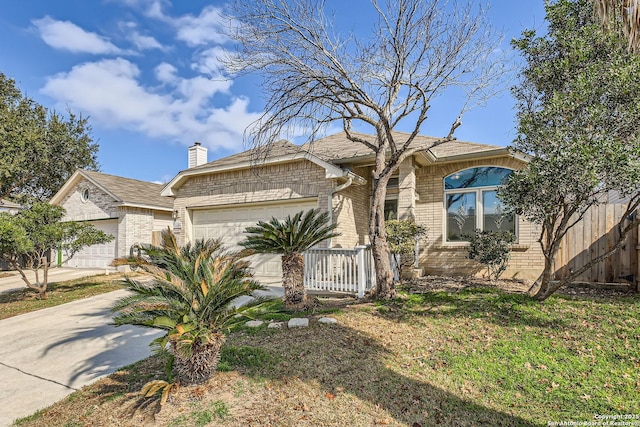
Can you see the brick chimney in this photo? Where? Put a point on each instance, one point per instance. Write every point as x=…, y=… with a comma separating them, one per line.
x=197, y=155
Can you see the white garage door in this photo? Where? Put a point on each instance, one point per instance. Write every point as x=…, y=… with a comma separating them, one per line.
x=98, y=256
x=229, y=224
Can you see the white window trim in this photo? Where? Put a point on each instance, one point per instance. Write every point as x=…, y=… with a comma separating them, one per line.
x=479, y=207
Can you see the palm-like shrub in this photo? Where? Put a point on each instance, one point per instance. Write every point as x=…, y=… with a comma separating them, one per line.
x=190, y=295
x=291, y=237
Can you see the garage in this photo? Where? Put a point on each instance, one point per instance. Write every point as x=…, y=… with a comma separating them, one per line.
x=229, y=224
x=98, y=256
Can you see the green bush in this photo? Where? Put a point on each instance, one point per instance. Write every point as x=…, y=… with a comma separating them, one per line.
x=402, y=236
x=491, y=249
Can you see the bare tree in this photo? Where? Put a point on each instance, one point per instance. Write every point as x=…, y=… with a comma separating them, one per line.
x=622, y=16
x=375, y=81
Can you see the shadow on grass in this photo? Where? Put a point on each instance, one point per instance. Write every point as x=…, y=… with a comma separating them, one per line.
x=17, y=295
x=344, y=360
x=498, y=307
x=54, y=289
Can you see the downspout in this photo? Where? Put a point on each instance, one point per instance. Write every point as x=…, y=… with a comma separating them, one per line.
x=330, y=200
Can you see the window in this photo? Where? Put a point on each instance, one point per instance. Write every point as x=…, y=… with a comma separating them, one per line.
x=472, y=203
x=391, y=202
x=84, y=196
x=390, y=209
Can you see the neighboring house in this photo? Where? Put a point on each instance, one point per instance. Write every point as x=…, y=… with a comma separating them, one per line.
x=9, y=207
x=132, y=211
x=449, y=188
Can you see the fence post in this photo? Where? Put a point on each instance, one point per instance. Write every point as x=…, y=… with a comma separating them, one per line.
x=362, y=269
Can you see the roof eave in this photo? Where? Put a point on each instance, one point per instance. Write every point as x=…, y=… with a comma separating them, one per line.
x=144, y=206
x=485, y=154
x=73, y=180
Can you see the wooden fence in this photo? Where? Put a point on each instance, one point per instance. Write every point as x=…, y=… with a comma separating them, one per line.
x=593, y=236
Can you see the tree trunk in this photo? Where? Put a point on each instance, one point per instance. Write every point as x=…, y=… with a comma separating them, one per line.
x=295, y=295
x=197, y=365
x=541, y=289
x=385, y=287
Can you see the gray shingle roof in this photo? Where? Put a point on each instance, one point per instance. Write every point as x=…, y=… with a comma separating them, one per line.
x=277, y=149
x=131, y=191
x=337, y=149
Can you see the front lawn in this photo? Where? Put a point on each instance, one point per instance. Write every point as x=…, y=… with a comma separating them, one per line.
x=13, y=303
x=474, y=356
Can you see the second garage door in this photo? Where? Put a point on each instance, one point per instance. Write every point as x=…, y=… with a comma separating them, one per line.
x=229, y=224
x=98, y=256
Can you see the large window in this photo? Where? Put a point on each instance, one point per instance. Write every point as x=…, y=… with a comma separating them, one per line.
x=472, y=203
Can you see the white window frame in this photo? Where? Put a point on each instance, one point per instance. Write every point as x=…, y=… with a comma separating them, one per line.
x=479, y=207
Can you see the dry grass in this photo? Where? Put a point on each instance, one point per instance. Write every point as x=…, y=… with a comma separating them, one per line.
x=456, y=356
x=13, y=303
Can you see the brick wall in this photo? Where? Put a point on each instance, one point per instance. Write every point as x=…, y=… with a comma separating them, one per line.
x=406, y=189
x=303, y=179
x=351, y=212
x=439, y=257
x=99, y=205
x=286, y=181
x=135, y=226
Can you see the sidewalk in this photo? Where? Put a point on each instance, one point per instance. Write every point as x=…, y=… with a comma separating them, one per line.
x=50, y=353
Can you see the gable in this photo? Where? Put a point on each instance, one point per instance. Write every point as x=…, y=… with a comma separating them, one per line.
x=122, y=191
x=98, y=204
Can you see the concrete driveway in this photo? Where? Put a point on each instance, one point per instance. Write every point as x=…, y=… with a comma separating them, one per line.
x=48, y=354
x=58, y=274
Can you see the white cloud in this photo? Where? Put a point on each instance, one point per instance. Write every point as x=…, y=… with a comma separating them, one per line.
x=143, y=42
x=109, y=92
x=151, y=8
x=209, y=61
x=68, y=36
x=166, y=73
x=154, y=9
x=208, y=27
x=140, y=41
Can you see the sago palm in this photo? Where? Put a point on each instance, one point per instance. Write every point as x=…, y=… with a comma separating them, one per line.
x=291, y=237
x=190, y=295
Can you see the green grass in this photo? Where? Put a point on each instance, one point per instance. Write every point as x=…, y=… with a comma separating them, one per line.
x=29, y=418
x=25, y=300
x=566, y=358
x=234, y=357
x=201, y=416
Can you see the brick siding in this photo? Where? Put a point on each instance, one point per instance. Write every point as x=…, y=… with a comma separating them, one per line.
x=134, y=225
x=351, y=212
x=438, y=257
x=269, y=183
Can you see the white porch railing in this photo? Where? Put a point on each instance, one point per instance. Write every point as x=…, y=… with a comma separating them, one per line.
x=339, y=270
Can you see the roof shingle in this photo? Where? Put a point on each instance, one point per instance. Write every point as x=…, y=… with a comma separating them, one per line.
x=131, y=191
x=338, y=149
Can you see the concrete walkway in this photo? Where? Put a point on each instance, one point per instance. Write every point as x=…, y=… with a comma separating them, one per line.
x=48, y=354
x=58, y=274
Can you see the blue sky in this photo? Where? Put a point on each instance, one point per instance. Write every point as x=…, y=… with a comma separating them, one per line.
x=145, y=72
